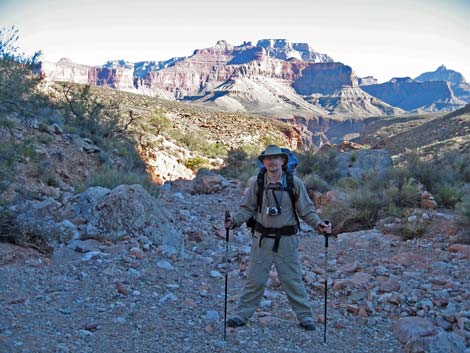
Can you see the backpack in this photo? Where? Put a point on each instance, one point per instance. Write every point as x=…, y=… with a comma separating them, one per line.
x=289, y=170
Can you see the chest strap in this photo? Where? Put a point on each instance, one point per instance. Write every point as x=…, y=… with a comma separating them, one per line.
x=275, y=233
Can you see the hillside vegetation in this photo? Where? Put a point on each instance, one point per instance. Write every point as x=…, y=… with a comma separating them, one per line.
x=429, y=135
x=69, y=137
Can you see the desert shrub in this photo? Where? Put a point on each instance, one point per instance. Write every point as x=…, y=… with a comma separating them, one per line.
x=267, y=140
x=366, y=205
x=103, y=120
x=348, y=184
x=321, y=163
x=353, y=210
x=240, y=163
x=127, y=153
x=46, y=173
x=392, y=210
x=111, y=177
x=198, y=141
x=316, y=183
x=428, y=173
x=306, y=162
x=397, y=176
x=159, y=123
x=196, y=163
x=463, y=207
x=447, y=195
x=412, y=230
x=405, y=195
x=17, y=81
x=449, y=170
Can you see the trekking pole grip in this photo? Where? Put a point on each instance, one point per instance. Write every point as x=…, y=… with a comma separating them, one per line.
x=227, y=216
x=326, y=235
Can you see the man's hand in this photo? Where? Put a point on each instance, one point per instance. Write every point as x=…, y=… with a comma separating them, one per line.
x=325, y=228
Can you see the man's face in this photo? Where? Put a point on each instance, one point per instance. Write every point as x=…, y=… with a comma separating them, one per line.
x=273, y=163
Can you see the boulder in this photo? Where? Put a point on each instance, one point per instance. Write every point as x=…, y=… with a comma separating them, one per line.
x=460, y=249
x=442, y=342
x=36, y=222
x=364, y=239
x=427, y=201
x=411, y=327
x=127, y=211
x=207, y=182
x=355, y=163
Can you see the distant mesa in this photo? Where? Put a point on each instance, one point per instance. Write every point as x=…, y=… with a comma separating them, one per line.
x=274, y=78
x=442, y=74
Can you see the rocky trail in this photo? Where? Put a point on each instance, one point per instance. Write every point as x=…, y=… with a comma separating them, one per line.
x=384, y=295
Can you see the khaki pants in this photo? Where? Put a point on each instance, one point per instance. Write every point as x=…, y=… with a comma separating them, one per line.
x=288, y=268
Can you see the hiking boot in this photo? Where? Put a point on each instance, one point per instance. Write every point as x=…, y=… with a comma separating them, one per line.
x=235, y=322
x=307, y=324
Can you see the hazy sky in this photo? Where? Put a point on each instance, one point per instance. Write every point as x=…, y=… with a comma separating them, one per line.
x=383, y=38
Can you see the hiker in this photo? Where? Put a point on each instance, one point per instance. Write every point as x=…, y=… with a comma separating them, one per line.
x=274, y=236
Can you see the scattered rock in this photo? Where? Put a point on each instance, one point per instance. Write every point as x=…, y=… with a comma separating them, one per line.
x=207, y=182
x=412, y=327
x=391, y=285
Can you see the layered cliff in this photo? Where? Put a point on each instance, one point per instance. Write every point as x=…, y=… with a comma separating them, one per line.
x=409, y=94
x=442, y=74
x=109, y=75
x=273, y=78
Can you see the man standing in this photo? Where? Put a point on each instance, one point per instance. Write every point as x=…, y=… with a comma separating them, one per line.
x=274, y=238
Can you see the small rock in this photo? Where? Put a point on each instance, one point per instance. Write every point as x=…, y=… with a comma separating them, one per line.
x=391, y=285
x=196, y=236
x=165, y=265
x=412, y=219
x=215, y=274
x=121, y=288
x=266, y=304
x=91, y=327
x=137, y=253
x=168, y=297
x=211, y=316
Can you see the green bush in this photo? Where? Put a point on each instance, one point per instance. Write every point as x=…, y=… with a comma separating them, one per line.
x=110, y=178
x=413, y=230
x=239, y=164
x=348, y=184
x=463, y=207
x=408, y=195
x=441, y=173
x=196, y=163
x=198, y=141
x=321, y=163
x=17, y=81
x=447, y=196
x=366, y=204
x=159, y=122
x=316, y=183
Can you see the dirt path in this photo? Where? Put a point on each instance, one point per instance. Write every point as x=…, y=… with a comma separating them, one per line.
x=122, y=303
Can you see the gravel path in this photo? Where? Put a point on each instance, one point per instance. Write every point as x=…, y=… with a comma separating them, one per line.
x=124, y=303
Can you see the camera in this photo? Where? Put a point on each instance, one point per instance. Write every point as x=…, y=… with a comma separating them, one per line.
x=273, y=211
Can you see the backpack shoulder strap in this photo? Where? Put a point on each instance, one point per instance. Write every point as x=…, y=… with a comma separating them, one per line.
x=293, y=198
x=260, y=184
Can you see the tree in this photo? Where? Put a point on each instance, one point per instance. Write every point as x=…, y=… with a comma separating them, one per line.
x=17, y=80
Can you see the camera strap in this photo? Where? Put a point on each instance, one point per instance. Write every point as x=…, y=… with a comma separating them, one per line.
x=282, y=188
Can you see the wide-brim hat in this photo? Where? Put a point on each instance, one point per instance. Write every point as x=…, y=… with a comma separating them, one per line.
x=273, y=150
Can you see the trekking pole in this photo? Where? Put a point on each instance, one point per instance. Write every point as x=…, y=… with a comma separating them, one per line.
x=326, y=282
x=227, y=230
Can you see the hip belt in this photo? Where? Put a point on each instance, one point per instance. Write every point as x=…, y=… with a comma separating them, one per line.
x=275, y=233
